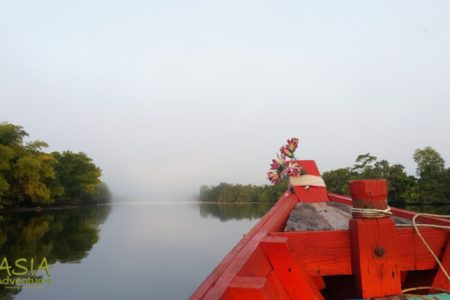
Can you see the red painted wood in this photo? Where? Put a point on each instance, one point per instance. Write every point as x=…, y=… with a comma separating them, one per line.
x=257, y=288
x=292, y=274
x=218, y=281
x=275, y=289
x=375, y=257
x=369, y=193
x=247, y=288
x=374, y=248
x=314, y=193
x=407, y=214
x=318, y=260
x=322, y=252
x=440, y=280
x=319, y=282
x=227, y=295
x=329, y=252
x=257, y=265
x=413, y=253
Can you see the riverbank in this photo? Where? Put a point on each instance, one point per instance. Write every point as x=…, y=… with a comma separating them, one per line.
x=46, y=208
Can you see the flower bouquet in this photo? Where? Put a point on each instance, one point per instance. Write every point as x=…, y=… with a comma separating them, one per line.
x=284, y=165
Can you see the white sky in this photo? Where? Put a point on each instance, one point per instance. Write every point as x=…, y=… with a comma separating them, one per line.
x=167, y=95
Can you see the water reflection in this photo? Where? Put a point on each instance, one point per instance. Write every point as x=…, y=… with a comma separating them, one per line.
x=64, y=236
x=234, y=211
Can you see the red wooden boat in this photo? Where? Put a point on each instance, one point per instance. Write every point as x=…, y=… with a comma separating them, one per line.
x=318, y=245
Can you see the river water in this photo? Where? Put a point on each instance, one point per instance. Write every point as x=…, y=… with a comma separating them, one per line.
x=121, y=251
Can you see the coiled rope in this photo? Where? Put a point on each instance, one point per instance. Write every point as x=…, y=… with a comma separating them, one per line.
x=416, y=229
x=371, y=213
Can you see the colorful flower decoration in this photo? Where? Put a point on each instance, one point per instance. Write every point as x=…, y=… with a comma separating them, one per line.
x=281, y=166
x=278, y=163
x=292, y=144
x=274, y=176
x=291, y=170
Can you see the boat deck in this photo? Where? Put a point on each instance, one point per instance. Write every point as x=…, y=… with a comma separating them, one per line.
x=304, y=248
x=324, y=216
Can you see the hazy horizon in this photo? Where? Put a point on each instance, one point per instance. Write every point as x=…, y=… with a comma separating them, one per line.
x=168, y=96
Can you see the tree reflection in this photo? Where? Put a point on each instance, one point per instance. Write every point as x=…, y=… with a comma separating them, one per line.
x=234, y=211
x=64, y=236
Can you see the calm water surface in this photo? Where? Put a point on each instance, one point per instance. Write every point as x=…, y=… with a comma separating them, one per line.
x=124, y=251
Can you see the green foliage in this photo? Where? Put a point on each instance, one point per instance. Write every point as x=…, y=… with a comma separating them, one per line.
x=225, y=192
x=337, y=180
x=433, y=177
x=77, y=175
x=429, y=162
x=30, y=176
x=432, y=184
x=11, y=135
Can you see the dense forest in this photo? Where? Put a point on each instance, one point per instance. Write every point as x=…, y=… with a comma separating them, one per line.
x=430, y=184
x=225, y=192
x=29, y=176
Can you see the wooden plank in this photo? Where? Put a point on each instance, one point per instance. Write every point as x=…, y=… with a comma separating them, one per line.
x=275, y=289
x=375, y=257
x=326, y=253
x=440, y=280
x=413, y=253
x=319, y=282
x=294, y=278
x=257, y=288
x=322, y=252
x=243, y=287
x=218, y=281
x=257, y=265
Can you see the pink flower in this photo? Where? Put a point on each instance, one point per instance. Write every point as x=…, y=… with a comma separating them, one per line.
x=291, y=170
x=292, y=144
x=273, y=176
x=285, y=152
x=282, y=167
x=277, y=163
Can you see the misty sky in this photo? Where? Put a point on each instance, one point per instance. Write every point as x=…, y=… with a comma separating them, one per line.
x=168, y=95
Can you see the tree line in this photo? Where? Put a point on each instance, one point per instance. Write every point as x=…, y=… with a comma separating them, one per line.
x=29, y=176
x=430, y=184
x=225, y=192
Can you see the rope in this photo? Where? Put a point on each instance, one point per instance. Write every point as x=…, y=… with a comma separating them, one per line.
x=419, y=288
x=380, y=213
x=371, y=213
x=424, y=225
x=307, y=180
x=416, y=228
